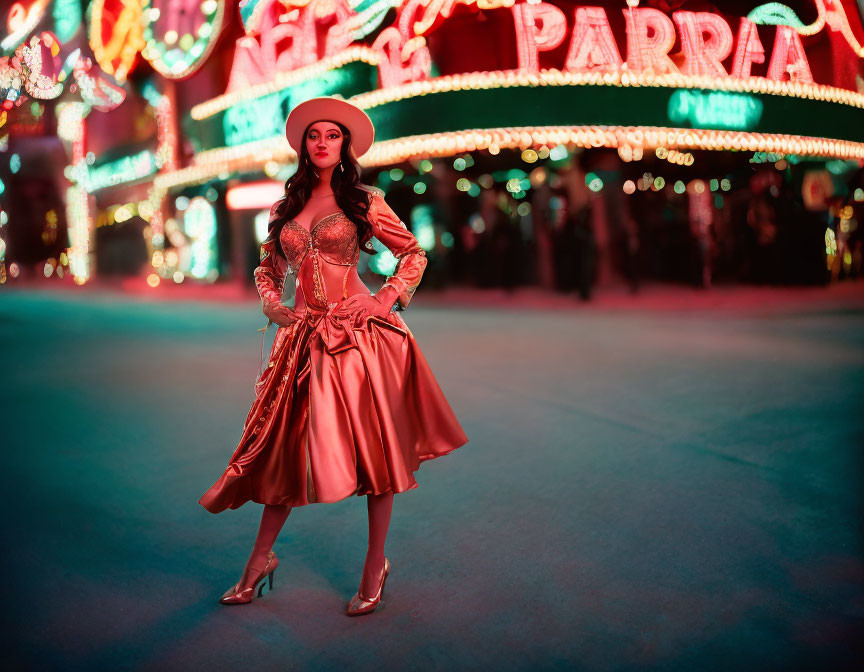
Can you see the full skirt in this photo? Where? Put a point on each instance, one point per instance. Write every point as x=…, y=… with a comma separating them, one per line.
x=346, y=406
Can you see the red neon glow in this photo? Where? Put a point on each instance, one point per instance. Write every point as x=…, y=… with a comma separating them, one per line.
x=749, y=50
x=288, y=36
x=592, y=46
x=650, y=36
x=255, y=196
x=398, y=64
x=539, y=27
x=706, y=40
x=788, y=60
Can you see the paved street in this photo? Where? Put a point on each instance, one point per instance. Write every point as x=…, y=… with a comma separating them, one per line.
x=669, y=490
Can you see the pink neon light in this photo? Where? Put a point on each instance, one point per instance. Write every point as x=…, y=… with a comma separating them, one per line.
x=789, y=60
x=749, y=51
x=706, y=40
x=593, y=44
x=539, y=27
x=255, y=196
x=650, y=36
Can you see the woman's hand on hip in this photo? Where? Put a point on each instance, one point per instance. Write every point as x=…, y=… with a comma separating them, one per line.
x=280, y=315
x=367, y=303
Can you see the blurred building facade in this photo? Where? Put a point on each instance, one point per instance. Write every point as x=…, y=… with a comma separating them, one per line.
x=559, y=144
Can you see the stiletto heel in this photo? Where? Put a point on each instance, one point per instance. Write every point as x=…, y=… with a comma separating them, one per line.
x=360, y=605
x=245, y=596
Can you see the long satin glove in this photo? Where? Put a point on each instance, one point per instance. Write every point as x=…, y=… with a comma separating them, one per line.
x=270, y=277
x=386, y=226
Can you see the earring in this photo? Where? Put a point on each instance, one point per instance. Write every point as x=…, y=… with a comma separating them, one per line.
x=341, y=168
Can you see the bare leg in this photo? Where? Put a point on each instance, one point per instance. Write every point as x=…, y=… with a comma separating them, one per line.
x=272, y=520
x=380, y=507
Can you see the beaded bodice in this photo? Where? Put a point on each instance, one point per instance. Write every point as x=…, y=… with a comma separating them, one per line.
x=317, y=257
x=334, y=237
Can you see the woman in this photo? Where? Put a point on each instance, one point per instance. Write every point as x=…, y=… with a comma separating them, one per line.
x=347, y=404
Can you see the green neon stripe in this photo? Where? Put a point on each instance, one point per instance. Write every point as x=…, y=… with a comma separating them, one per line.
x=586, y=105
x=264, y=117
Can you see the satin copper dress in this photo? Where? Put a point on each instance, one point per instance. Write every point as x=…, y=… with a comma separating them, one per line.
x=347, y=404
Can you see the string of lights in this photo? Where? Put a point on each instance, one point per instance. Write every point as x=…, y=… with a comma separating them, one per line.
x=625, y=78
x=254, y=156
x=283, y=80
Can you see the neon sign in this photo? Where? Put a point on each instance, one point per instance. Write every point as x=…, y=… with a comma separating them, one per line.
x=291, y=41
x=180, y=34
x=706, y=41
x=288, y=51
x=715, y=109
x=127, y=169
x=264, y=117
x=116, y=35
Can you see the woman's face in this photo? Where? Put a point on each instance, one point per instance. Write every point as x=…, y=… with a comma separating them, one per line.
x=324, y=144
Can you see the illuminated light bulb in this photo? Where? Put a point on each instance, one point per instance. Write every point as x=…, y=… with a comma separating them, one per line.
x=153, y=280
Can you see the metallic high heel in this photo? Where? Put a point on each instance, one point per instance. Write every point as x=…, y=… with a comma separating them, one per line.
x=245, y=596
x=361, y=605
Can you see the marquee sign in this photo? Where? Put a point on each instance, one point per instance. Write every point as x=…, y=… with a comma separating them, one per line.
x=284, y=36
x=640, y=68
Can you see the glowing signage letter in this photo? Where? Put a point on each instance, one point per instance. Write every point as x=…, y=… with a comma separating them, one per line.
x=714, y=109
x=401, y=63
x=788, y=58
x=704, y=56
x=532, y=38
x=749, y=50
x=592, y=46
x=650, y=36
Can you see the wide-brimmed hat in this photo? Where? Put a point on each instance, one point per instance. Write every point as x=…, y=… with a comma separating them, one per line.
x=329, y=108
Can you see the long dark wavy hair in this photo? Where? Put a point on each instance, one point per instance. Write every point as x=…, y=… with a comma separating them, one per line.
x=350, y=196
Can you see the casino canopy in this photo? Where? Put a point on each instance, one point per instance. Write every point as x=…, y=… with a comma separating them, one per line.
x=440, y=78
